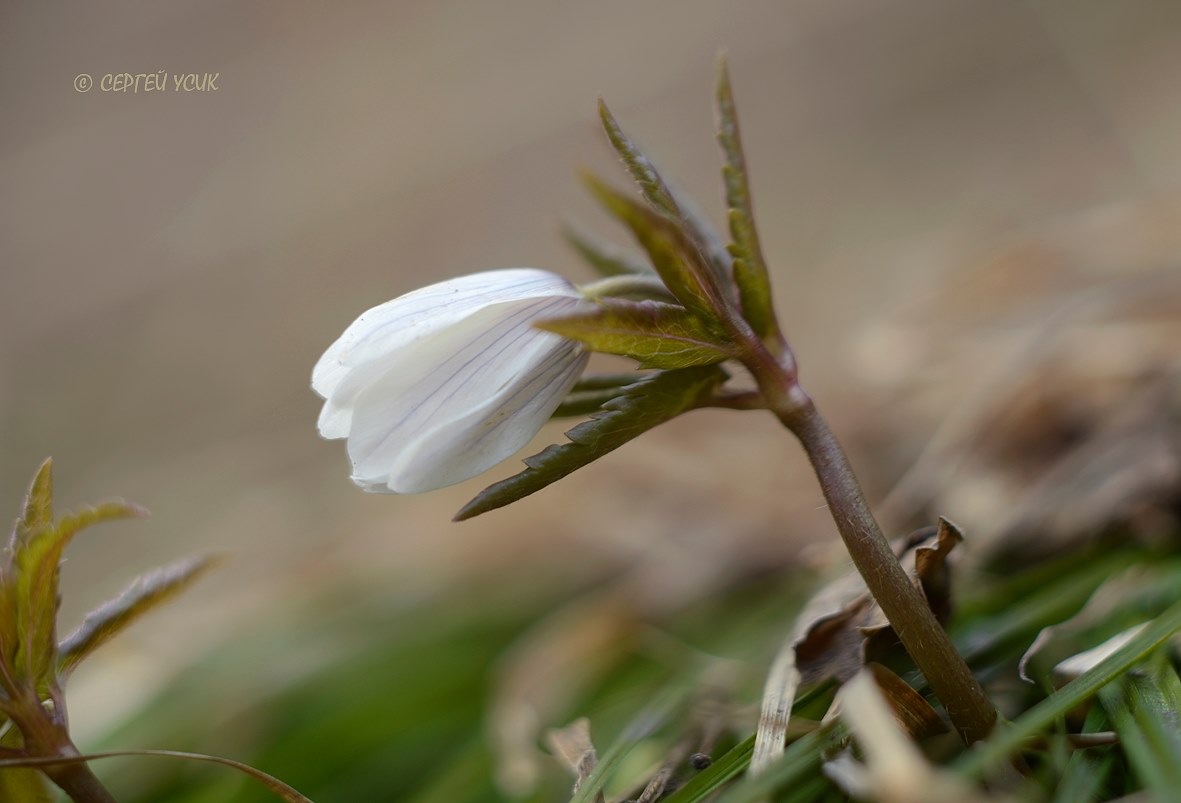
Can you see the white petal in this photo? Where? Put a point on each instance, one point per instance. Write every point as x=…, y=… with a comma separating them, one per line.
x=460, y=449
x=422, y=313
x=406, y=372
x=470, y=397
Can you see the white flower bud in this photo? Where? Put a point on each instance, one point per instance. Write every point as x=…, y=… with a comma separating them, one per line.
x=445, y=382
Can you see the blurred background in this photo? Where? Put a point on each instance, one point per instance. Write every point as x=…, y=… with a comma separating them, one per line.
x=941, y=185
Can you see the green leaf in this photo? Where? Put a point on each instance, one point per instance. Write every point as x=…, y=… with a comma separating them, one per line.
x=36, y=515
x=712, y=258
x=38, y=510
x=592, y=392
x=750, y=269
x=602, y=256
x=998, y=747
x=615, y=382
x=655, y=334
x=1086, y=770
x=145, y=593
x=1145, y=710
x=580, y=405
x=801, y=759
x=22, y=784
x=640, y=167
x=26, y=786
x=36, y=565
x=645, y=723
x=678, y=262
x=651, y=401
x=725, y=769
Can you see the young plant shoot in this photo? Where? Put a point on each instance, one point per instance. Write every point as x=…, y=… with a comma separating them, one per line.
x=441, y=384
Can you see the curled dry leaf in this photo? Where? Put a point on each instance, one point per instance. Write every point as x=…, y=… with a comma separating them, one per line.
x=573, y=747
x=841, y=628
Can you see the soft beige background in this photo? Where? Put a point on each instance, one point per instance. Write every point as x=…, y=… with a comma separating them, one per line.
x=171, y=265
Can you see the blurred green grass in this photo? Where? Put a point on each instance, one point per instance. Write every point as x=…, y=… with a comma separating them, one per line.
x=356, y=698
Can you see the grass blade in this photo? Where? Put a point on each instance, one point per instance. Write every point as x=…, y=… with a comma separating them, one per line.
x=1041, y=716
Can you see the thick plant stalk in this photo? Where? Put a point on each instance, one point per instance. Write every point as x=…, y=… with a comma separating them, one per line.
x=46, y=737
x=80, y=783
x=904, y=606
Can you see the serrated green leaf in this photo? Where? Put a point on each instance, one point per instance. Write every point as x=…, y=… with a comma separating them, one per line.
x=714, y=259
x=655, y=334
x=677, y=261
x=9, y=639
x=579, y=405
x=36, y=565
x=616, y=382
x=144, y=594
x=606, y=259
x=592, y=392
x=639, y=165
x=36, y=517
x=750, y=269
x=38, y=510
x=651, y=401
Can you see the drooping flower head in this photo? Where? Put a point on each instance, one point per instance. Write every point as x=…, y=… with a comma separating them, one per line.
x=445, y=382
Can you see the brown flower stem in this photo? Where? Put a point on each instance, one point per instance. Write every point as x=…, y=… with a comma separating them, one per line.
x=903, y=604
x=79, y=782
x=45, y=736
x=972, y=715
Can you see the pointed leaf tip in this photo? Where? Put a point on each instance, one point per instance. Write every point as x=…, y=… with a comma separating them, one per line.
x=701, y=248
x=144, y=594
x=640, y=166
x=38, y=510
x=36, y=568
x=750, y=269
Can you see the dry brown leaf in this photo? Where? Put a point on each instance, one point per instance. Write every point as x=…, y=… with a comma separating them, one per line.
x=842, y=625
x=572, y=746
x=841, y=628
x=911, y=710
x=895, y=770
